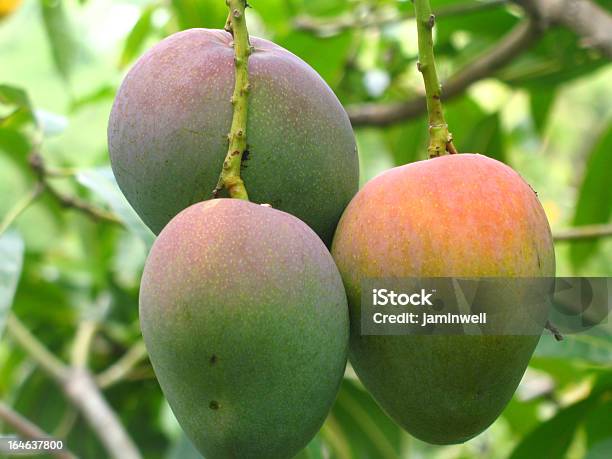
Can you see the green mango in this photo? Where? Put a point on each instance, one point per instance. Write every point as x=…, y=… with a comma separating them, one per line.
x=245, y=319
x=167, y=133
x=458, y=215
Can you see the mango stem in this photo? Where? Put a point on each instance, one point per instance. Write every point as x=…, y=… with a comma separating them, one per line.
x=440, y=138
x=230, y=174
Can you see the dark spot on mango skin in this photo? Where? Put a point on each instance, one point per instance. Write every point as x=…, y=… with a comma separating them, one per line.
x=213, y=405
x=213, y=359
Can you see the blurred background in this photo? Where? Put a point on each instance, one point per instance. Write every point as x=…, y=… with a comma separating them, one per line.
x=526, y=84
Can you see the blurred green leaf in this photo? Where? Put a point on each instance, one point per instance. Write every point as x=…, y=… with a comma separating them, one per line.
x=324, y=7
x=15, y=101
x=408, y=141
x=14, y=142
x=601, y=450
x=314, y=450
x=17, y=122
x=598, y=427
x=329, y=64
x=138, y=35
x=200, y=13
x=486, y=138
x=558, y=58
x=594, y=346
x=61, y=38
x=594, y=197
x=541, y=101
x=357, y=427
x=103, y=93
x=551, y=439
x=10, y=95
x=11, y=263
x=102, y=182
x=374, y=156
x=522, y=416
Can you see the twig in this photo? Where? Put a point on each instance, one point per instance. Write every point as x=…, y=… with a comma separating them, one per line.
x=554, y=330
x=82, y=343
x=521, y=37
x=20, y=207
x=230, y=174
x=591, y=22
x=583, y=232
x=38, y=166
x=35, y=349
x=79, y=387
x=122, y=367
x=366, y=17
x=29, y=430
x=440, y=138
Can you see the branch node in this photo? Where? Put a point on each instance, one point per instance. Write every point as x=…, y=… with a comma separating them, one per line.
x=431, y=21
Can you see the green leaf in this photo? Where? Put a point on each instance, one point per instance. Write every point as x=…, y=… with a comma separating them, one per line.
x=357, y=427
x=475, y=131
x=14, y=142
x=60, y=34
x=374, y=156
x=541, y=101
x=551, y=439
x=486, y=138
x=598, y=428
x=557, y=58
x=329, y=64
x=594, y=197
x=324, y=7
x=601, y=450
x=594, y=346
x=408, y=142
x=138, y=35
x=102, y=93
x=13, y=96
x=18, y=123
x=11, y=264
x=16, y=108
x=521, y=416
x=102, y=182
x=200, y=13
x=314, y=449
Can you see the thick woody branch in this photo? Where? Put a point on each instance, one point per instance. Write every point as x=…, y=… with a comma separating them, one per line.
x=521, y=37
x=591, y=22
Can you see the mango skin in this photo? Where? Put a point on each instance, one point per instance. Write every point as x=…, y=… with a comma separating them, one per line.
x=167, y=133
x=458, y=215
x=245, y=319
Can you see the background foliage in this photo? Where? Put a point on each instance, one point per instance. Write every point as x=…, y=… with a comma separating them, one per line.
x=70, y=263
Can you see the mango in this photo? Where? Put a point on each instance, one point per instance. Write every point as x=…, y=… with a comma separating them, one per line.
x=245, y=319
x=167, y=133
x=456, y=215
